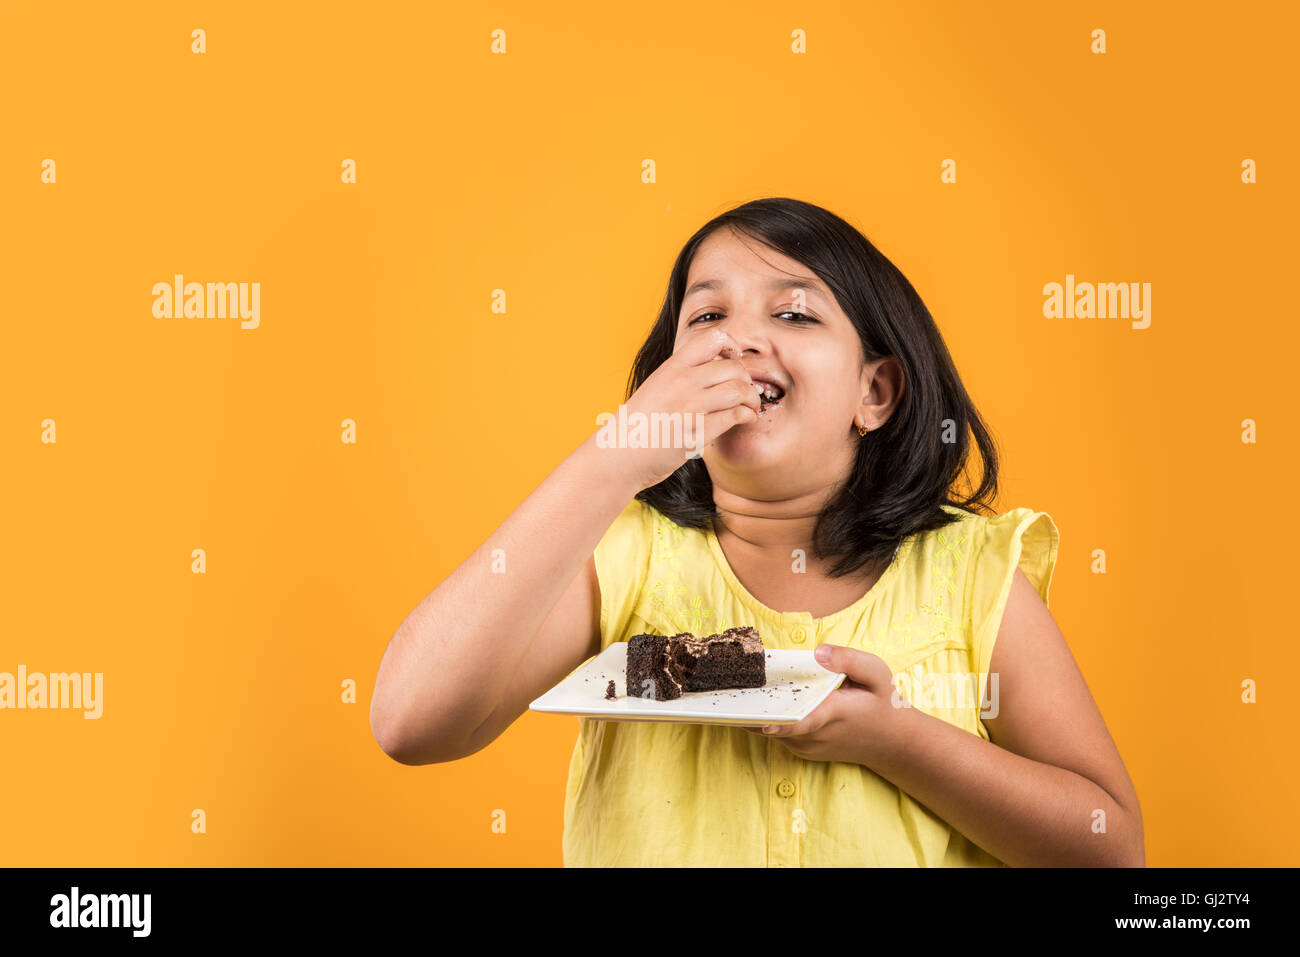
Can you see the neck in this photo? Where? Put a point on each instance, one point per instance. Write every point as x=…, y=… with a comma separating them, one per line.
x=773, y=527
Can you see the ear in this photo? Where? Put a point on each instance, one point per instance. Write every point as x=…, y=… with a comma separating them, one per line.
x=882, y=388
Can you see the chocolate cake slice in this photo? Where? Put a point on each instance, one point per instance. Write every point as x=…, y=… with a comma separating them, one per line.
x=662, y=668
x=653, y=670
x=732, y=659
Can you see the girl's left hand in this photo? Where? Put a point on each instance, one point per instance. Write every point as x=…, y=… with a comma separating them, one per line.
x=842, y=727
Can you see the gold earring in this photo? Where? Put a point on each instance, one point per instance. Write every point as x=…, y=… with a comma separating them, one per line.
x=863, y=430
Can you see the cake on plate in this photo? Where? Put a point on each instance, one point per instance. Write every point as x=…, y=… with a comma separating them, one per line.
x=664, y=667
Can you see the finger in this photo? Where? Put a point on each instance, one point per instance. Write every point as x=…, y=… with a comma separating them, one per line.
x=716, y=423
x=807, y=725
x=825, y=655
x=706, y=346
x=728, y=394
x=861, y=667
x=720, y=370
x=821, y=715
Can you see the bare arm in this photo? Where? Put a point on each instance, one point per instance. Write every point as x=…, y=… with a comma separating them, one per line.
x=467, y=660
x=1030, y=797
x=452, y=661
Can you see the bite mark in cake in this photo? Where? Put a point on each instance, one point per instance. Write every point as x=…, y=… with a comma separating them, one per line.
x=653, y=670
x=663, y=668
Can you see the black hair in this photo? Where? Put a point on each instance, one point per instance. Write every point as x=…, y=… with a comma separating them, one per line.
x=904, y=471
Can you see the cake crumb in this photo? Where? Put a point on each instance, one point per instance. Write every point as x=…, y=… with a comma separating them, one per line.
x=609, y=692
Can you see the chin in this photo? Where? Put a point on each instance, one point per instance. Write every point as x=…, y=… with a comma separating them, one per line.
x=745, y=448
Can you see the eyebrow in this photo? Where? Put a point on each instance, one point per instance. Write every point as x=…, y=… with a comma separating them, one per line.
x=705, y=285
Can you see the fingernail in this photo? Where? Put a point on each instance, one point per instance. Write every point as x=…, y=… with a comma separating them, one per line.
x=823, y=653
x=770, y=729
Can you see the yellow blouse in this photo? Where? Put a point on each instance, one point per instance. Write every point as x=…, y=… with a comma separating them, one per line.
x=659, y=794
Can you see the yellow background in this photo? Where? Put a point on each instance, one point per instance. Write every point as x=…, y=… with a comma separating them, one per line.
x=522, y=172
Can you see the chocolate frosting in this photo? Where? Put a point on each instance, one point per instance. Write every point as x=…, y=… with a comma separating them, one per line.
x=750, y=641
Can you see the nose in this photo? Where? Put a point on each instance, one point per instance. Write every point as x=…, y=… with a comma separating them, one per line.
x=748, y=329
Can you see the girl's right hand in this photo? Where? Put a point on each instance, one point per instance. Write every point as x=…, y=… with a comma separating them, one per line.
x=706, y=376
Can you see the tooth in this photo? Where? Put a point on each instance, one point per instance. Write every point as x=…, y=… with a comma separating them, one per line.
x=759, y=387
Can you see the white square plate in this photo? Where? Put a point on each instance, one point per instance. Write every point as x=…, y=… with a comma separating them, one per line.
x=796, y=684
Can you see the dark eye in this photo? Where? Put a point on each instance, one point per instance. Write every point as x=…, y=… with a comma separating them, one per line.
x=798, y=317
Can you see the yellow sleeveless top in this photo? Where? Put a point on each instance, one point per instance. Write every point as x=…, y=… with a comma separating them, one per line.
x=685, y=795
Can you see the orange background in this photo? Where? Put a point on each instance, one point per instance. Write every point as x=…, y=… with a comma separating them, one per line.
x=522, y=172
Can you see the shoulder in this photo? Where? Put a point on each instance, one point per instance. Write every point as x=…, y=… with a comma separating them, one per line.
x=638, y=520
x=640, y=536
x=622, y=559
x=636, y=514
x=1019, y=539
x=1013, y=560
x=948, y=545
x=629, y=536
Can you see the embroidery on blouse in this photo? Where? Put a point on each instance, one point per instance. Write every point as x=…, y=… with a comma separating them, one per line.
x=682, y=611
x=943, y=574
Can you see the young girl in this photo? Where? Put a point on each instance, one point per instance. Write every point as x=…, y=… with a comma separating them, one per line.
x=817, y=507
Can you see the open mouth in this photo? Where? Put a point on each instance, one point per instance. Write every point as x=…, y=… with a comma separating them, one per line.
x=770, y=395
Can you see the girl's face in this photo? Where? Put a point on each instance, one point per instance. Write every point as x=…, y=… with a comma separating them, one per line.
x=808, y=348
